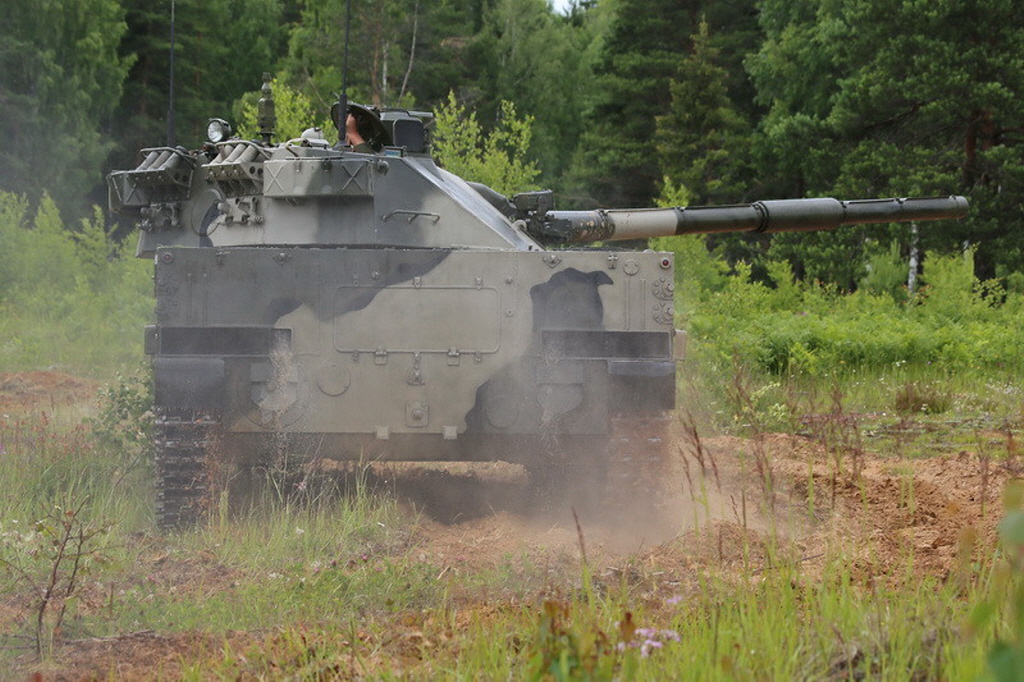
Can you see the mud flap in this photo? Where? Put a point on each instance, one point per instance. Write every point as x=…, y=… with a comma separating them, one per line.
x=189, y=382
x=644, y=385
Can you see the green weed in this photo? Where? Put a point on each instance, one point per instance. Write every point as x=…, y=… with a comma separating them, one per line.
x=1004, y=605
x=914, y=397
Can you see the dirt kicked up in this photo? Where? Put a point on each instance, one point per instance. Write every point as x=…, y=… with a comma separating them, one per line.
x=722, y=502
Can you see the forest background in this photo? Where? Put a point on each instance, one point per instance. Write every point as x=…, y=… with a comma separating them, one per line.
x=610, y=103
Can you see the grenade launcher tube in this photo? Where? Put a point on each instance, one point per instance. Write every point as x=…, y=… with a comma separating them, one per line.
x=782, y=215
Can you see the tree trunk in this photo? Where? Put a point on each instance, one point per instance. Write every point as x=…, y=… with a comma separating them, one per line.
x=915, y=259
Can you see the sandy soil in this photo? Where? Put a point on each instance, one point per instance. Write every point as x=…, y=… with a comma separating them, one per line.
x=718, y=500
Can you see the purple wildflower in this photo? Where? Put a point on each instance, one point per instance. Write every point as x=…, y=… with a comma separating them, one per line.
x=648, y=640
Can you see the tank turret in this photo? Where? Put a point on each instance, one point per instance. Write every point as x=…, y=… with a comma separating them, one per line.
x=328, y=302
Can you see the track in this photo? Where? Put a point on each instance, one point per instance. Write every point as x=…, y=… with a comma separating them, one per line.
x=183, y=442
x=610, y=479
x=639, y=467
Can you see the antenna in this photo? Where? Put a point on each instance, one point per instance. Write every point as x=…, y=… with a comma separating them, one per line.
x=343, y=97
x=170, y=91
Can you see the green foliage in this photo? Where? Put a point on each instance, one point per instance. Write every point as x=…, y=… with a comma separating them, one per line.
x=60, y=79
x=295, y=113
x=703, y=141
x=70, y=297
x=497, y=159
x=956, y=323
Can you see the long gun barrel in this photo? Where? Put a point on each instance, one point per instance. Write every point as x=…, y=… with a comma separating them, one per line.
x=783, y=215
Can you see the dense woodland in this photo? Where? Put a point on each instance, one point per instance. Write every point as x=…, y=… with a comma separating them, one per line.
x=628, y=102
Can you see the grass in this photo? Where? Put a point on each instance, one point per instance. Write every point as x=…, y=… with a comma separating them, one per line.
x=777, y=627
x=334, y=584
x=903, y=411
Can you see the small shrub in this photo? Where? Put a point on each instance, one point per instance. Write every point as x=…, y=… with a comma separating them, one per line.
x=915, y=397
x=124, y=422
x=496, y=158
x=887, y=273
x=50, y=561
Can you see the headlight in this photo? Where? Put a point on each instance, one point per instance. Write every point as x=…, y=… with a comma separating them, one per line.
x=218, y=130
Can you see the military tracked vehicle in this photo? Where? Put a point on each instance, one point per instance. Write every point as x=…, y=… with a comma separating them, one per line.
x=371, y=305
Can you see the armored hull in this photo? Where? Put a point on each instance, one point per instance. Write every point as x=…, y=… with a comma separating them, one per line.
x=410, y=354
x=390, y=343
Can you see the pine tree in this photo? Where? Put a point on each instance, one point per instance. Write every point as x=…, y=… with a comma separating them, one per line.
x=897, y=97
x=614, y=164
x=61, y=77
x=702, y=140
x=645, y=45
x=222, y=48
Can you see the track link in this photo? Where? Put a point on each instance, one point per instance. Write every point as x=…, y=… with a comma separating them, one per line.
x=183, y=442
x=639, y=467
x=620, y=476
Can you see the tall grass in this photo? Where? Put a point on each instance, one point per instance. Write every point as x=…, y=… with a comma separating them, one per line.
x=332, y=583
x=328, y=554
x=323, y=560
x=43, y=463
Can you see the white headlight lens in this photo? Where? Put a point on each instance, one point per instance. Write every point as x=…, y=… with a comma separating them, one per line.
x=218, y=130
